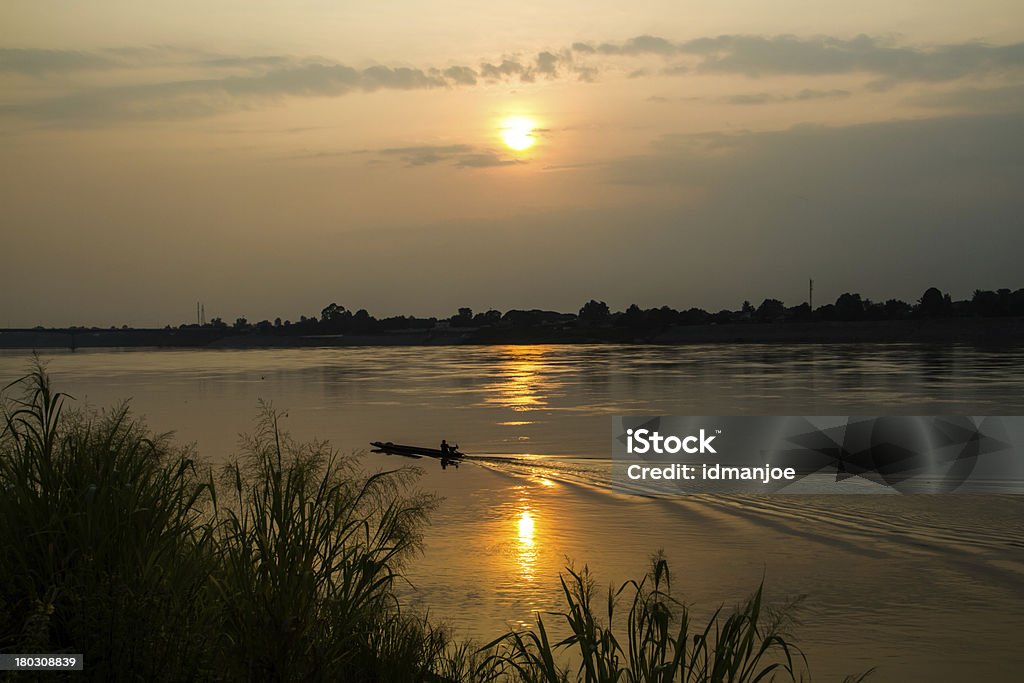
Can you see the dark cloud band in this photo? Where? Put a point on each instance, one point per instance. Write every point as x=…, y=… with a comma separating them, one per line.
x=228, y=82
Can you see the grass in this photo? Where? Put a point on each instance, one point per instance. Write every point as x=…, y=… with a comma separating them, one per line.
x=658, y=642
x=282, y=566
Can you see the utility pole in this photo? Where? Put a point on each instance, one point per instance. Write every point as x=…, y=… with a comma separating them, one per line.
x=202, y=315
x=810, y=295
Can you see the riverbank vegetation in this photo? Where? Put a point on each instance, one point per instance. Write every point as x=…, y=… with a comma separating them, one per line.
x=283, y=564
x=595, y=320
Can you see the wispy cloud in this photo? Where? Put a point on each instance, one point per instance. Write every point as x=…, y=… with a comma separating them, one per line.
x=460, y=156
x=999, y=99
x=804, y=95
x=486, y=159
x=201, y=97
x=753, y=55
x=640, y=45
x=45, y=62
x=41, y=62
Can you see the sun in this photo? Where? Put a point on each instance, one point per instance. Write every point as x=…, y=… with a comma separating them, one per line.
x=518, y=132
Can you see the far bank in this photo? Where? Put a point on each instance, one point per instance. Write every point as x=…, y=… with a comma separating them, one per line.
x=1007, y=331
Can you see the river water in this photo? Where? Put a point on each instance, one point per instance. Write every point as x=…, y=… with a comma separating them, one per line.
x=921, y=587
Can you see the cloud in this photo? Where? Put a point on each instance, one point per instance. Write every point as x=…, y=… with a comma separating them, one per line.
x=485, y=160
x=1003, y=99
x=256, y=61
x=221, y=82
x=202, y=97
x=547, y=64
x=640, y=45
x=507, y=68
x=675, y=70
x=460, y=156
x=759, y=55
x=38, y=62
x=754, y=55
x=44, y=62
x=460, y=75
x=423, y=155
x=804, y=95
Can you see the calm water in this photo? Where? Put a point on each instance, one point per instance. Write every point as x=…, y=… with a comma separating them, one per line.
x=925, y=588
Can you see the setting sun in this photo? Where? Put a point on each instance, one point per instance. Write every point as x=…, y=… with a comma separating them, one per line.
x=518, y=132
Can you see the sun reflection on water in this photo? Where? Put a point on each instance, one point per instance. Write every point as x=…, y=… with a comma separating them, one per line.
x=526, y=552
x=523, y=384
x=526, y=528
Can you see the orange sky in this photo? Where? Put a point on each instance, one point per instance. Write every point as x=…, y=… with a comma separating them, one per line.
x=271, y=159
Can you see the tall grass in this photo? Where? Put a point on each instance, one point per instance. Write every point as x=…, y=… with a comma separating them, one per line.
x=656, y=640
x=103, y=541
x=282, y=566
x=310, y=550
x=115, y=544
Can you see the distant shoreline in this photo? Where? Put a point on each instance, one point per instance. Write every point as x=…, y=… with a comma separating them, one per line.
x=1006, y=331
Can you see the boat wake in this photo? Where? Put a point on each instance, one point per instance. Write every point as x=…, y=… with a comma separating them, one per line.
x=980, y=532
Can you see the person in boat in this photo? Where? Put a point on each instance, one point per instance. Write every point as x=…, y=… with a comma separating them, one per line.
x=445, y=448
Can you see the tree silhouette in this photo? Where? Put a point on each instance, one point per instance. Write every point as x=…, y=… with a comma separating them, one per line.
x=933, y=303
x=849, y=307
x=632, y=317
x=770, y=309
x=464, y=318
x=332, y=313
x=594, y=312
x=896, y=309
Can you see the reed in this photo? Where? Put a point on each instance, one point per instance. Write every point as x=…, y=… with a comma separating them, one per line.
x=309, y=552
x=118, y=545
x=103, y=537
x=655, y=640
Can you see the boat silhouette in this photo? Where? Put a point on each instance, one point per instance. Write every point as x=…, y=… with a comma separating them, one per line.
x=416, y=451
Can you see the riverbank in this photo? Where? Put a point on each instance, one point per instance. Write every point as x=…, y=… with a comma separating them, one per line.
x=975, y=330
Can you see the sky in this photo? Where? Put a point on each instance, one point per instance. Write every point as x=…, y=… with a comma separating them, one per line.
x=414, y=157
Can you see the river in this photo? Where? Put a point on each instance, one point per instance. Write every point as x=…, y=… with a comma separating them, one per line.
x=921, y=587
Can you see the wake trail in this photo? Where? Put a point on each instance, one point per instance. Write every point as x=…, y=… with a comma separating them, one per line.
x=980, y=532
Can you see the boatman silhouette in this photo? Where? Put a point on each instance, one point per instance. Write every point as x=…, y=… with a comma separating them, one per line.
x=448, y=455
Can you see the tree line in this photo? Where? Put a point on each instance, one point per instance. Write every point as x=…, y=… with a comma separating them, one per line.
x=933, y=303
